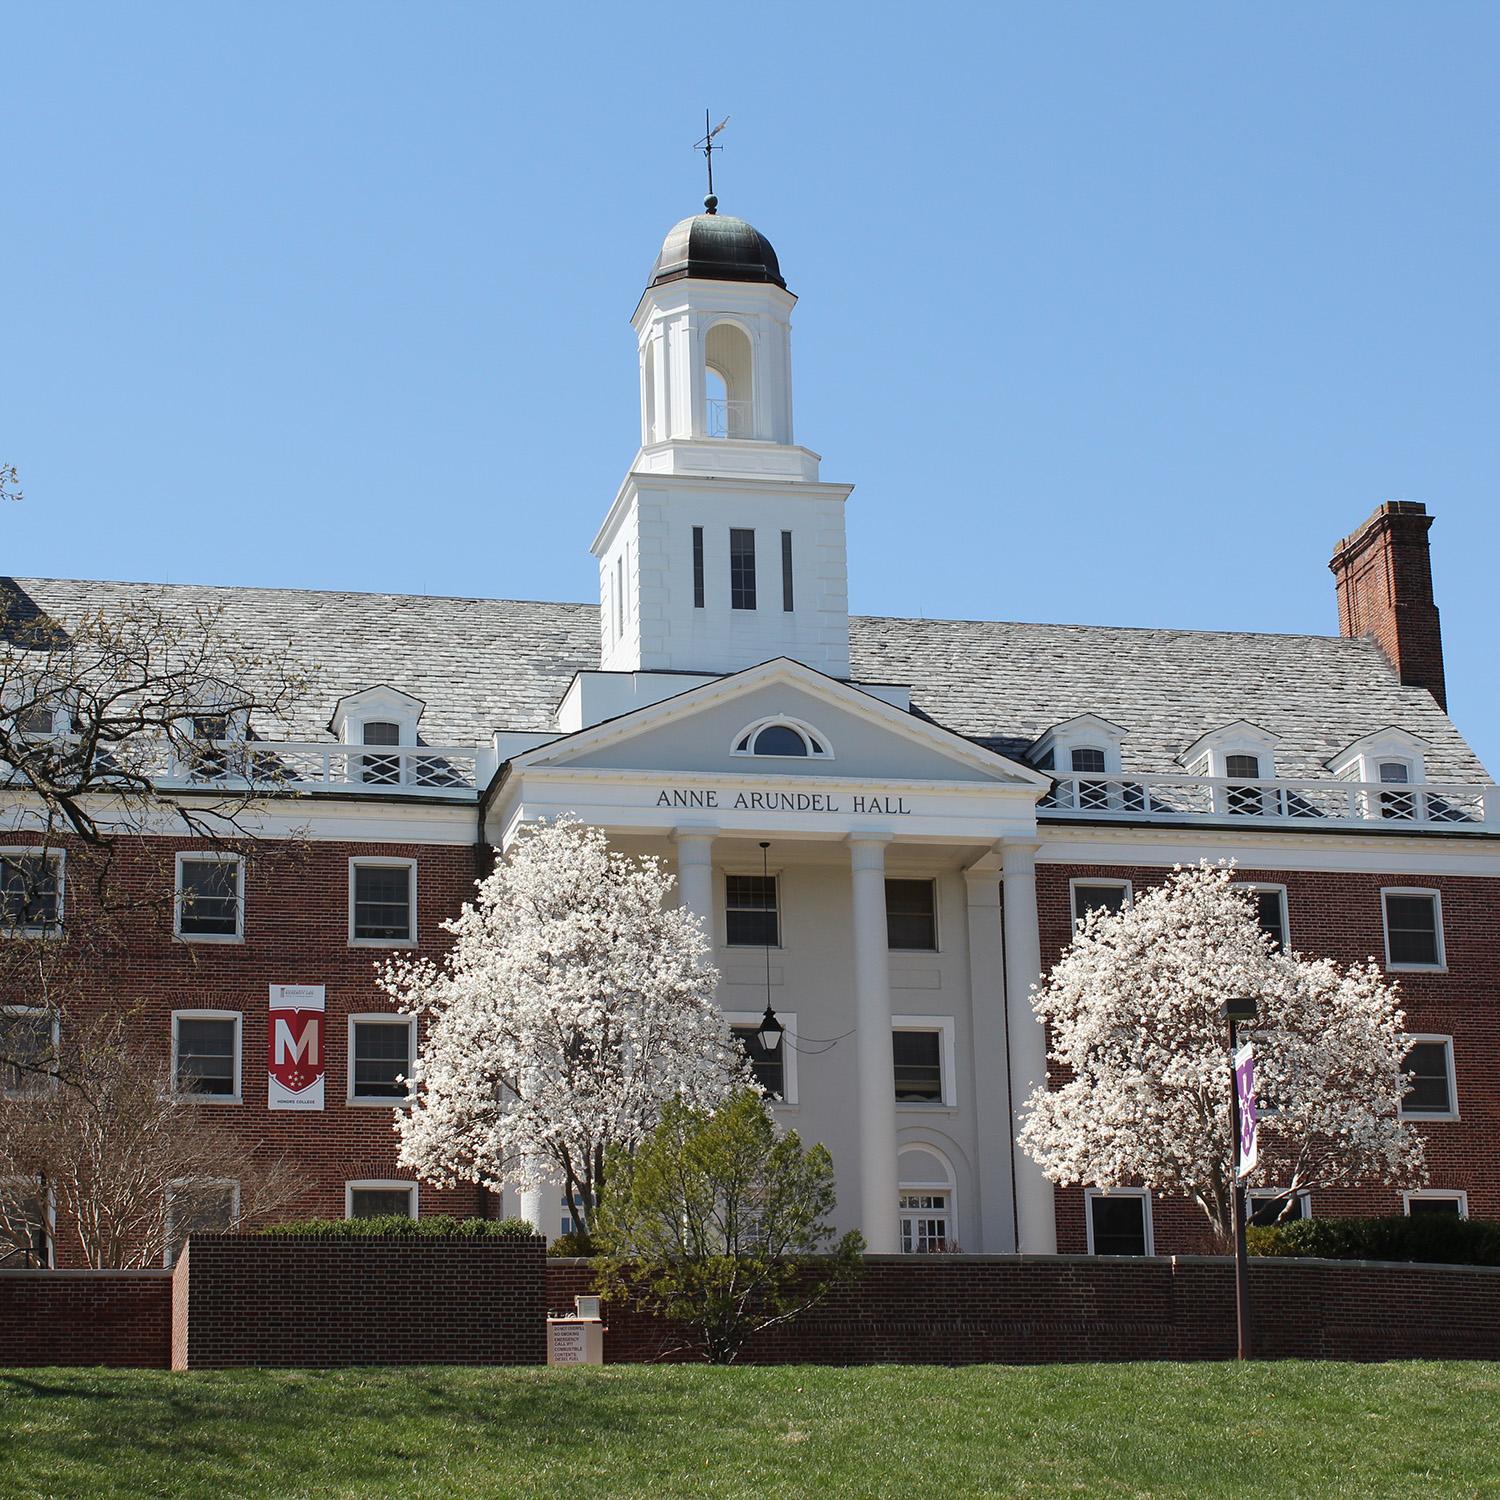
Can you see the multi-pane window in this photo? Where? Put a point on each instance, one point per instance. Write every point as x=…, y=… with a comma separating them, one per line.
x=1435, y=1201
x=380, y=770
x=1397, y=805
x=208, y=896
x=1267, y=1206
x=206, y=1055
x=25, y=1227
x=1413, y=930
x=30, y=891
x=1099, y=895
x=210, y=759
x=918, y=1058
x=769, y=1067
x=699, y=591
x=382, y=902
x=786, y=571
x=37, y=723
x=1270, y=912
x=1429, y=1089
x=377, y=1200
x=911, y=914
x=1118, y=1223
x=379, y=1057
x=1089, y=760
x=27, y=1040
x=1244, y=799
x=750, y=915
x=199, y=1208
x=926, y=1222
x=741, y=568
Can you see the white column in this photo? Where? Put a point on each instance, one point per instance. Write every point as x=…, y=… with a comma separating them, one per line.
x=989, y=1086
x=533, y=1201
x=878, y=1208
x=695, y=875
x=1028, y=1040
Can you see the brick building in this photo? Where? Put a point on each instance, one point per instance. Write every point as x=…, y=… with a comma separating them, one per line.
x=908, y=814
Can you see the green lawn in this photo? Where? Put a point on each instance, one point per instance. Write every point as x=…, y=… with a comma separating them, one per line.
x=1140, y=1430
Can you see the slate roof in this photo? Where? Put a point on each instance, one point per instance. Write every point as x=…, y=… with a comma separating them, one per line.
x=486, y=664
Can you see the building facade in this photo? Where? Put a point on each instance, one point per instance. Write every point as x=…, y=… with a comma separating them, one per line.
x=889, y=826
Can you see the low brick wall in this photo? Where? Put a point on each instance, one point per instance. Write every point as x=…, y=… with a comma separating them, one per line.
x=118, y=1318
x=284, y=1302
x=952, y=1310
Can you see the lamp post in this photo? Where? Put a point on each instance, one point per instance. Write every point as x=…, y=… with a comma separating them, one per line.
x=1238, y=1012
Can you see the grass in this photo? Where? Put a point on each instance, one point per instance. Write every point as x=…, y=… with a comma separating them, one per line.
x=1203, y=1430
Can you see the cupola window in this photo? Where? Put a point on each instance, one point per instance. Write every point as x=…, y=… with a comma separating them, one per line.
x=781, y=737
x=728, y=361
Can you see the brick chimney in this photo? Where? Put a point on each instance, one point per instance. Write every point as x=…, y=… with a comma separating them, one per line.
x=1383, y=574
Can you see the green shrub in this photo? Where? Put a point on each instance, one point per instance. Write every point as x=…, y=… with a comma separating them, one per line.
x=576, y=1243
x=1440, y=1239
x=398, y=1226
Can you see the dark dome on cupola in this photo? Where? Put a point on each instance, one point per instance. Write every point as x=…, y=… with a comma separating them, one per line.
x=715, y=247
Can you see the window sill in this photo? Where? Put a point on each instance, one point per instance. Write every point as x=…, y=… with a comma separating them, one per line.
x=1416, y=968
x=927, y=1107
x=1447, y=1117
x=357, y=942
x=214, y=1099
x=209, y=937
x=393, y=1102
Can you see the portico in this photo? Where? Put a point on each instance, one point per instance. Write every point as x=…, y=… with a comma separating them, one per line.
x=890, y=799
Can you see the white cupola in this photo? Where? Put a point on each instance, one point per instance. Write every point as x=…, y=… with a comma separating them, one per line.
x=723, y=549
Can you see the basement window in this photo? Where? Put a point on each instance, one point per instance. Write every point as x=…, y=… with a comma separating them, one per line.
x=1118, y=1222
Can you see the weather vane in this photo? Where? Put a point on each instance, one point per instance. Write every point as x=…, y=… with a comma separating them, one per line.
x=707, y=147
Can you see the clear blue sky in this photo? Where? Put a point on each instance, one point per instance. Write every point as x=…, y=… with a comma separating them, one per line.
x=1112, y=313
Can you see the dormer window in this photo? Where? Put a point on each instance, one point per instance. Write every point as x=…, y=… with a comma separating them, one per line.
x=1238, y=753
x=1085, y=746
x=1089, y=758
x=385, y=719
x=1388, y=758
x=380, y=770
x=781, y=737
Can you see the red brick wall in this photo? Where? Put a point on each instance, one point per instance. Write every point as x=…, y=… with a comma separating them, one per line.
x=119, y=1318
x=1338, y=915
x=295, y=932
x=288, y=1303
x=1033, y=1310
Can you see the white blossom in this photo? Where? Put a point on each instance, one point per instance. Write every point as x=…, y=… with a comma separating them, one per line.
x=1140, y=1054
x=573, y=1004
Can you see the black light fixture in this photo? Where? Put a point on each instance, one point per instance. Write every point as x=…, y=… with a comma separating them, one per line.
x=1241, y=1010
x=768, y=1034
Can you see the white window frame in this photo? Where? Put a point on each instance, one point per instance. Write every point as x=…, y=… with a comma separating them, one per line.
x=1441, y=966
x=1124, y=1192
x=238, y=1017
x=175, y=1186
x=944, y=1026
x=385, y=862
x=937, y=914
x=1126, y=885
x=810, y=734
x=1302, y=1196
x=59, y=857
x=914, y=1185
x=1361, y=762
x=1445, y=1195
x=380, y=1018
x=49, y=1208
x=378, y=1185
x=774, y=873
x=209, y=857
x=1259, y=887
x=1056, y=745
x=1451, y=1113
x=788, y=1019
x=51, y=1082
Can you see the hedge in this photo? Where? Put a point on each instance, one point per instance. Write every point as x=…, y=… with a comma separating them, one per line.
x=398, y=1226
x=1440, y=1239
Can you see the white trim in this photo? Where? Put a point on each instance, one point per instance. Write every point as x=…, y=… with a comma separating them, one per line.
x=59, y=858
x=48, y=1081
x=937, y=913
x=1445, y=1195
x=944, y=1026
x=1144, y=1194
x=810, y=733
x=378, y=704
x=385, y=862
x=1128, y=886
x=1260, y=886
x=174, y=1187
x=377, y=1185
x=788, y=1019
x=1451, y=1113
x=239, y=1027
x=1441, y=966
x=922, y=1185
x=1082, y=732
x=209, y=857
x=721, y=876
x=381, y=1018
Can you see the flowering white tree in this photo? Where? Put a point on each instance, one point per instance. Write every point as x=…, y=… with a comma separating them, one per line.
x=1137, y=1031
x=573, y=1004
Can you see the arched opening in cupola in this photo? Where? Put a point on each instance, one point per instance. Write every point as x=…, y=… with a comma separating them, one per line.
x=728, y=397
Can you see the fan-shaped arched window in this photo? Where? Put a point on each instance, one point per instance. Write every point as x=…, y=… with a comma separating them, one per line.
x=781, y=737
